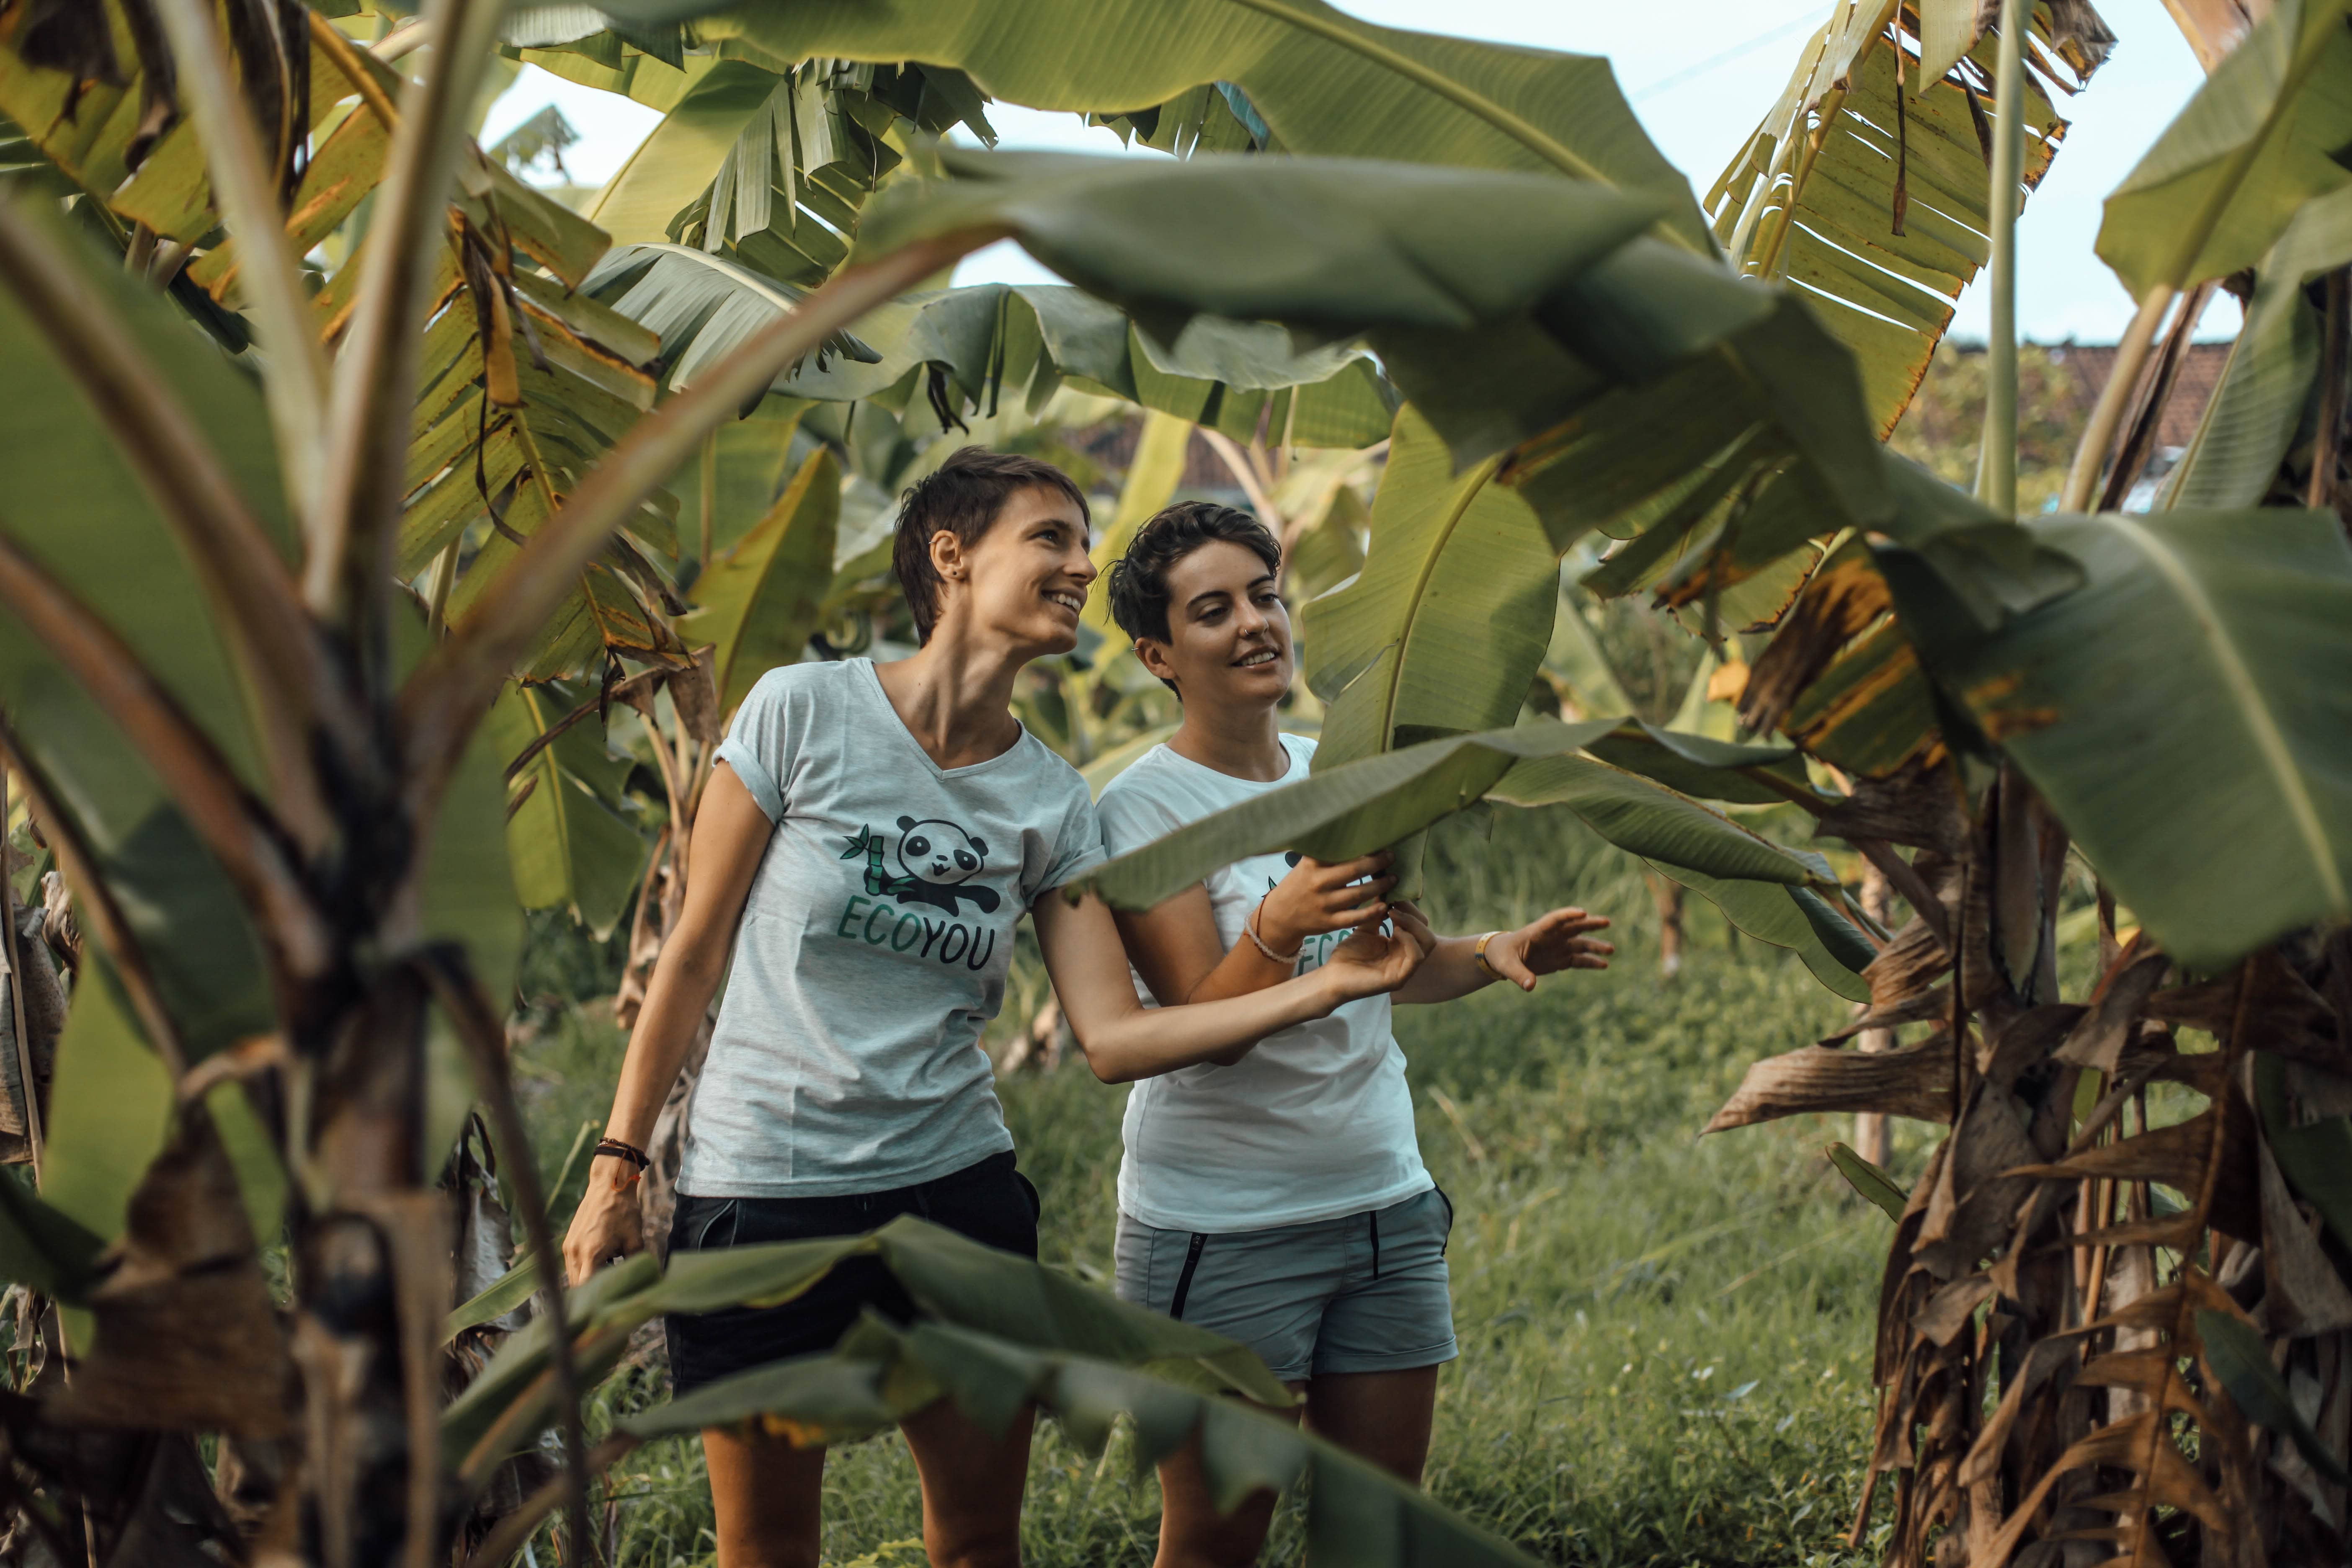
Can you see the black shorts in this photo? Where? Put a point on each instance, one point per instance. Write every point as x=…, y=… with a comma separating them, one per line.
x=991, y=1202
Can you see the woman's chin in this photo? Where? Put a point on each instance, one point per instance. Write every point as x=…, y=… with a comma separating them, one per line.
x=1047, y=642
x=1253, y=688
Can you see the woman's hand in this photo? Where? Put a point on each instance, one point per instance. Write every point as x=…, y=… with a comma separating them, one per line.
x=1370, y=964
x=608, y=1222
x=1555, y=942
x=1315, y=899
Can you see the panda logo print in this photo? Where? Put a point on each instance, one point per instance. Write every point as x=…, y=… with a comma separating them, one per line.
x=932, y=867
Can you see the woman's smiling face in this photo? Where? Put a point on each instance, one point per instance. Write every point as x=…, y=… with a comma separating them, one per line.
x=1025, y=579
x=1228, y=631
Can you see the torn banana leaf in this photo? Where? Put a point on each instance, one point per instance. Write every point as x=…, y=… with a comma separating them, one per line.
x=993, y=342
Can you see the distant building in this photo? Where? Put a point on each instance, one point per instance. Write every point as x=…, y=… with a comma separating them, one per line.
x=2192, y=389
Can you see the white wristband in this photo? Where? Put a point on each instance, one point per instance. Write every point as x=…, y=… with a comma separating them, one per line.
x=1249, y=928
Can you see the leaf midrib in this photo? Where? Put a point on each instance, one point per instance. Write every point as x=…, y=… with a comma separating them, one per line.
x=1468, y=486
x=2270, y=738
x=1549, y=149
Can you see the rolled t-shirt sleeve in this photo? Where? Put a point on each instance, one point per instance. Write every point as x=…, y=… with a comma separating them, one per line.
x=1131, y=819
x=1077, y=842
x=754, y=746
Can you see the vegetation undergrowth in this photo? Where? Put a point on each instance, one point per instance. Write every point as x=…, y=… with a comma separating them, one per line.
x=1664, y=1338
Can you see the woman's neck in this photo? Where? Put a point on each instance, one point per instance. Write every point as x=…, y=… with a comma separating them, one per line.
x=956, y=701
x=1243, y=742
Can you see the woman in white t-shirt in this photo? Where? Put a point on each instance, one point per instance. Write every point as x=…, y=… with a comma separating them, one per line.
x=872, y=835
x=1278, y=1197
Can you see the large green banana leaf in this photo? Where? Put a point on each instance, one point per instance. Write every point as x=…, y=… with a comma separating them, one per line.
x=994, y=340
x=1613, y=363
x=1323, y=82
x=1444, y=626
x=2258, y=141
x=569, y=849
x=1798, y=919
x=946, y=1275
x=2181, y=715
x=77, y=507
x=1382, y=799
x=1357, y=1514
x=2273, y=378
x=1870, y=193
x=758, y=602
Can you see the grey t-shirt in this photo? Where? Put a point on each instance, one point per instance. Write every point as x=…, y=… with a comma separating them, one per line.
x=873, y=944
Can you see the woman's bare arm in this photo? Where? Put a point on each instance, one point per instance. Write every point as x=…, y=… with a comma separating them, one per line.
x=1123, y=1040
x=731, y=834
x=1551, y=942
x=1177, y=949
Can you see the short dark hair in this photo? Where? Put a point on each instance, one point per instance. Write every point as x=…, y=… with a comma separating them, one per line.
x=1139, y=580
x=962, y=497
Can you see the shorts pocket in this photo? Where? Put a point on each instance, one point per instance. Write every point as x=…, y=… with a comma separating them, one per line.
x=1448, y=1236
x=1029, y=1191
x=717, y=1228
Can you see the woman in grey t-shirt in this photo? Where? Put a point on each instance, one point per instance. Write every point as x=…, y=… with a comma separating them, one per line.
x=866, y=851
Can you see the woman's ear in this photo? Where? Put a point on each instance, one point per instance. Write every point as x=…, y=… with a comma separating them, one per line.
x=947, y=557
x=1152, y=654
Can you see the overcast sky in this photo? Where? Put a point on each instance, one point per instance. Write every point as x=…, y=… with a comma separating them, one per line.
x=1700, y=74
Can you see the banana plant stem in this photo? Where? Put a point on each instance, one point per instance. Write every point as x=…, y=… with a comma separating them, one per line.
x=1997, y=466
x=2107, y=414
x=26, y=1085
x=2326, y=449
x=245, y=188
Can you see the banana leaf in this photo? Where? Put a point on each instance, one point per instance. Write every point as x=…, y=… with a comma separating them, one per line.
x=948, y=1276
x=758, y=603
x=993, y=342
x=2270, y=383
x=2258, y=140
x=1869, y=190
x=569, y=849
x=1798, y=919
x=1356, y=1513
x=2170, y=712
x=1444, y=626
x=1613, y=363
x=1321, y=81
x=1377, y=801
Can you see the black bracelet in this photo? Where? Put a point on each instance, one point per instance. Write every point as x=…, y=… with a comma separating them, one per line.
x=629, y=1151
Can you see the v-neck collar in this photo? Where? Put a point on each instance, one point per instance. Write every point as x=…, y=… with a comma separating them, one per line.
x=873, y=685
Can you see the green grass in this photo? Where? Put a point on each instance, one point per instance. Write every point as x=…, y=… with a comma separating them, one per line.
x=1665, y=1340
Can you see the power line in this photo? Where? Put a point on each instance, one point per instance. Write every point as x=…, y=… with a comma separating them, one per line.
x=1727, y=57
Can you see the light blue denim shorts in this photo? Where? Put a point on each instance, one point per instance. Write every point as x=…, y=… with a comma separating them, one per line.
x=1365, y=1292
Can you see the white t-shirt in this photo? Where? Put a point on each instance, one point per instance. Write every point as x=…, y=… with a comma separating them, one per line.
x=1317, y=1121
x=874, y=943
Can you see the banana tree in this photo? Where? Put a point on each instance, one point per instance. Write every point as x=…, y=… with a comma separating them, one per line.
x=1966, y=679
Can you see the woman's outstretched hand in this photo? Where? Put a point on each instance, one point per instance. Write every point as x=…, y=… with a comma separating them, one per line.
x=607, y=1224
x=1558, y=940
x=1371, y=961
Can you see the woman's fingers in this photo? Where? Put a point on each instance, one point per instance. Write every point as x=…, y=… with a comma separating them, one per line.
x=1411, y=923
x=1509, y=956
x=1333, y=873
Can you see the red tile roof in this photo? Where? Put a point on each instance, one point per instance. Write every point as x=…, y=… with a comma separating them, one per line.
x=2199, y=375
